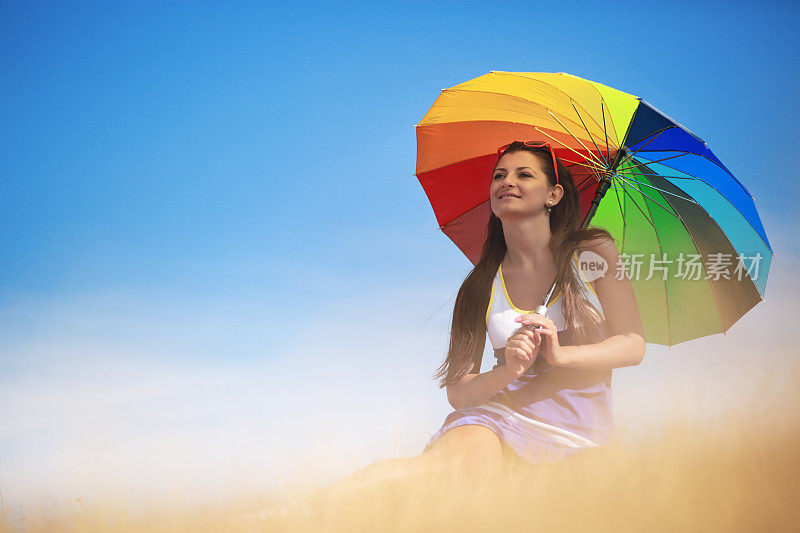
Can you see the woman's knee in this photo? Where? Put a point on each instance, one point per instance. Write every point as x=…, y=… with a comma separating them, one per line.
x=471, y=445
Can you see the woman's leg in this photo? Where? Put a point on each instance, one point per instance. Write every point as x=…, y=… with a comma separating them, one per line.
x=472, y=448
x=464, y=449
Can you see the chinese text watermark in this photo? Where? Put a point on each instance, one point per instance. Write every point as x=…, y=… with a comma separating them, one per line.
x=682, y=265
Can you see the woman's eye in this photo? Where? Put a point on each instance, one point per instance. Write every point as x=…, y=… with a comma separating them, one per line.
x=522, y=174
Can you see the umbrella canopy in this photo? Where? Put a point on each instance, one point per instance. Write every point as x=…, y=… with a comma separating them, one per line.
x=687, y=230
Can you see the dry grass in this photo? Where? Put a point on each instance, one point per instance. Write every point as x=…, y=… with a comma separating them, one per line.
x=731, y=475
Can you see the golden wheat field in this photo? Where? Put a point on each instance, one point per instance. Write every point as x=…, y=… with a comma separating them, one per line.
x=736, y=473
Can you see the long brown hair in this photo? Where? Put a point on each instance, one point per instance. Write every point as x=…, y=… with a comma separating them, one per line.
x=468, y=326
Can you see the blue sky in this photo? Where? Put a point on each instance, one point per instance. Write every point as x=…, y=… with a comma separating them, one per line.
x=200, y=188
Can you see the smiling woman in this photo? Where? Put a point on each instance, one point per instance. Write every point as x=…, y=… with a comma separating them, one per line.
x=549, y=394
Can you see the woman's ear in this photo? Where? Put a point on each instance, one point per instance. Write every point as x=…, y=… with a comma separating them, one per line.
x=556, y=194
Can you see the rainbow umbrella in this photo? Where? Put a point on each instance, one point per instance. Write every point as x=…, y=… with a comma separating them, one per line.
x=687, y=230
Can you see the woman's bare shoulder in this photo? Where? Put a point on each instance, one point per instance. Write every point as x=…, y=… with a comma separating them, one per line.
x=601, y=245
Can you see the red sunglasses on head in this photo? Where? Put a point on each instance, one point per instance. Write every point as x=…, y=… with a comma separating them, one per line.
x=533, y=144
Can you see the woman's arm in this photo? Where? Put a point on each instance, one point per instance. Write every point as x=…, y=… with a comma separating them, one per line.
x=474, y=389
x=613, y=352
x=625, y=344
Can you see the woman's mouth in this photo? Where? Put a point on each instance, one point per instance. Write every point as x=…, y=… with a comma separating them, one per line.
x=507, y=195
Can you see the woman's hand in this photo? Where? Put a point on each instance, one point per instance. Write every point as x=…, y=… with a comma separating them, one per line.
x=521, y=351
x=550, y=348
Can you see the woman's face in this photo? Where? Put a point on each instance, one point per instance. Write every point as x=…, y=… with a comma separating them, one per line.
x=519, y=186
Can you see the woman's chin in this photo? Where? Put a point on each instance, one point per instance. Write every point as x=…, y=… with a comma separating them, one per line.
x=512, y=212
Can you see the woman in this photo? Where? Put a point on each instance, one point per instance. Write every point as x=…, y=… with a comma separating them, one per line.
x=549, y=395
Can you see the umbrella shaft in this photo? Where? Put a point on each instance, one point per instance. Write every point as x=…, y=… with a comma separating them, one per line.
x=604, y=185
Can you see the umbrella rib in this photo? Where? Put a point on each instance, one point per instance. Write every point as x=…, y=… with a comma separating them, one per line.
x=695, y=178
x=653, y=135
x=696, y=247
x=618, y=187
x=716, y=223
x=664, y=175
x=656, y=188
x=513, y=97
x=559, y=142
x=732, y=205
x=551, y=86
x=625, y=191
x=637, y=164
x=622, y=214
x=594, y=176
x=605, y=159
x=581, y=188
x=598, y=177
x=676, y=215
x=593, y=166
x=711, y=285
x=595, y=158
x=605, y=130
x=593, y=172
x=660, y=249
